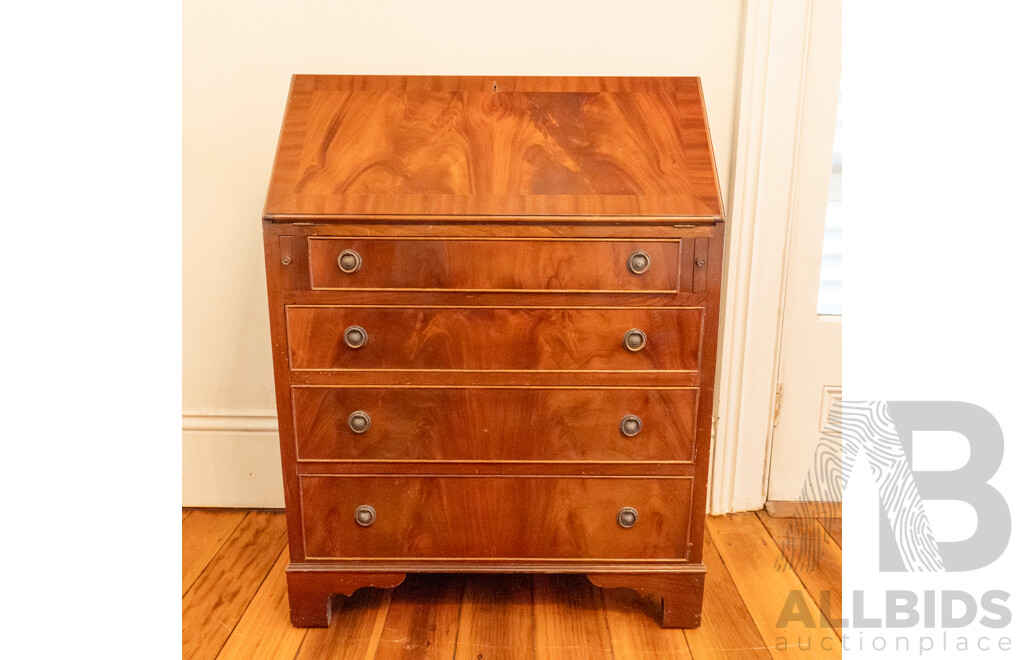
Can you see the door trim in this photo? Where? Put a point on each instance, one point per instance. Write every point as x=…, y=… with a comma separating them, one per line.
x=776, y=40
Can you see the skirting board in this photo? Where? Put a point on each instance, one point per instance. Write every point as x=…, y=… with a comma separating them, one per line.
x=800, y=509
x=230, y=460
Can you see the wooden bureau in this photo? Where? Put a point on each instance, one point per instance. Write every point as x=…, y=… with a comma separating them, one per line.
x=494, y=315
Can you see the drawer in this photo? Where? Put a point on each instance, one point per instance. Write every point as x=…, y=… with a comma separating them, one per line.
x=492, y=338
x=598, y=265
x=495, y=517
x=494, y=424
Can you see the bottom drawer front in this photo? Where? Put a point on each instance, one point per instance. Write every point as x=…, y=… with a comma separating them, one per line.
x=495, y=517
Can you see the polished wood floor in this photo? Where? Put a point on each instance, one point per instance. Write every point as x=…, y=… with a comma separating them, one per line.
x=235, y=605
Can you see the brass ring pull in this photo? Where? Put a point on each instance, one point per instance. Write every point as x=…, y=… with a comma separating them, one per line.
x=359, y=422
x=349, y=261
x=630, y=425
x=639, y=262
x=634, y=340
x=700, y=263
x=627, y=517
x=355, y=336
x=365, y=515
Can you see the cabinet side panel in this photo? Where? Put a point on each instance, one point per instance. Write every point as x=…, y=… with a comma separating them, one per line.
x=705, y=408
x=281, y=274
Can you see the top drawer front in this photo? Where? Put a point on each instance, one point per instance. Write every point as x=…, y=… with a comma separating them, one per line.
x=455, y=264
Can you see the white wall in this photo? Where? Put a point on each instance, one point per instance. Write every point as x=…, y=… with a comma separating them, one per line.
x=237, y=60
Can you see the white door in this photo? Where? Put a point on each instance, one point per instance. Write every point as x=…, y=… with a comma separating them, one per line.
x=810, y=359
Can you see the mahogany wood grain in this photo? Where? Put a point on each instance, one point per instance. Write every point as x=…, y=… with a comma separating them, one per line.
x=595, y=227
x=494, y=424
x=386, y=565
x=310, y=590
x=277, y=275
x=505, y=468
x=202, y=535
x=705, y=410
x=495, y=264
x=383, y=83
x=212, y=607
x=442, y=298
x=287, y=252
x=510, y=148
x=700, y=274
x=681, y=594
x=298, y=268
x=488, y=517
x=543, y=379
x=489, y=339
x=423, y=619
x=494, y=217
x=496, y=618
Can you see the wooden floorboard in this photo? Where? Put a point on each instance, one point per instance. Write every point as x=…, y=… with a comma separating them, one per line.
x=803, y=509
x=202, y=535
x=634, y=625
x=727, y=632
x=569, y=619
x=235, y=604
x=496, y=619
x=357, y=624
x=423, y=620
x=212, y=607
x=835, y=529
x=768, y=587
x=816, y=559
x=264, y=630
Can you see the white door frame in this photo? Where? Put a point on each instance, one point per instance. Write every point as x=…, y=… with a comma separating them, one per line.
x=776, y=41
